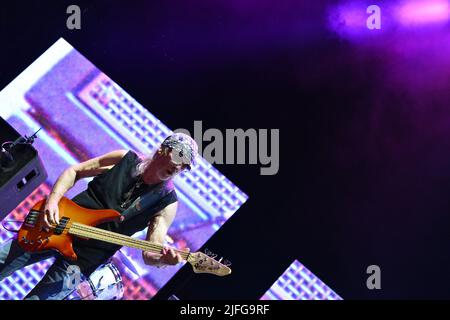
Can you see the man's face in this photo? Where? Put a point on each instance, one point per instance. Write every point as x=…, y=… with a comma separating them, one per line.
x=168, y=164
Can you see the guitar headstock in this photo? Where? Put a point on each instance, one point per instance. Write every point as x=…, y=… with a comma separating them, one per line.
x=205, y=263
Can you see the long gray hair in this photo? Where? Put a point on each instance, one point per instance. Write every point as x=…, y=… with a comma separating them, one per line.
x=144, y=163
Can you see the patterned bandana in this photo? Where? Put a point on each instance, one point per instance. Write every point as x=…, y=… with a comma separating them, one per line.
x=186, y=148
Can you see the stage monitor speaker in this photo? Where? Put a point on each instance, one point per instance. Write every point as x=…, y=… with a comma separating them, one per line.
x=21, y=170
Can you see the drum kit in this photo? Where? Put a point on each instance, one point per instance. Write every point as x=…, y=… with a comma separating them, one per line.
x=105, y=283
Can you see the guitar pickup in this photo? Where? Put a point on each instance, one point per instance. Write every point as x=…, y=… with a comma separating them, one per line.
x=61, y=226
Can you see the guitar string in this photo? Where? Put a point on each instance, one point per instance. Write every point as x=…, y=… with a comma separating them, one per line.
x=137, y=242
x=142, y=244
x=84, y=228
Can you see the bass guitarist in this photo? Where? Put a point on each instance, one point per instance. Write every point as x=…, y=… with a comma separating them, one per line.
x=122, y=180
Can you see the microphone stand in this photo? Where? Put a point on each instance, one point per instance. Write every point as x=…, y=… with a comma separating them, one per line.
x=6, y=158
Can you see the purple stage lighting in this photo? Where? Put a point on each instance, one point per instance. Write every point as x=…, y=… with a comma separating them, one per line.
x=358, y=18
x=423, y=12
x=351, y=15
x=361, y=19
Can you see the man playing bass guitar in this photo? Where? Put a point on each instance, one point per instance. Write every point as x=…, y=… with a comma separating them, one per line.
x=122, y=179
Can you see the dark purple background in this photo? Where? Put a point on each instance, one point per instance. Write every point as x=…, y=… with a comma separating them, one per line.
x=364, y=123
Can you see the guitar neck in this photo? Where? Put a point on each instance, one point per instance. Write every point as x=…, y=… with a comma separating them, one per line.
x=86, y=231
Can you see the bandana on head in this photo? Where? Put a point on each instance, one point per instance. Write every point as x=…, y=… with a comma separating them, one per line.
x=186, y=148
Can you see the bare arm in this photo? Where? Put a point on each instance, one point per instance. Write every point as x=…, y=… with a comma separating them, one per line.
x=71, y=175
x=89, y=168
x=156, y=233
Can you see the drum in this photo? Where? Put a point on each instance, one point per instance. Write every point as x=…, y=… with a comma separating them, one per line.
x=105, y=283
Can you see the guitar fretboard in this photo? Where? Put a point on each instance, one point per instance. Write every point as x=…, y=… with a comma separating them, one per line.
x=85, y=231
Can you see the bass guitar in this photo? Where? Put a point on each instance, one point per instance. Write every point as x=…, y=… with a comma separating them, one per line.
x=76, y=221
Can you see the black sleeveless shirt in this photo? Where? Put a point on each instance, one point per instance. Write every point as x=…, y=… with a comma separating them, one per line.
x=119, y=189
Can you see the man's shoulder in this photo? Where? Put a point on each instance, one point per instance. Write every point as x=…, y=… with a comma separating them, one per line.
x=170, y=209
x=131, y=156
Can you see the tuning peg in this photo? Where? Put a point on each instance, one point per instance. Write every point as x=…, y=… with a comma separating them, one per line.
x=210, y=254
x=226, y=262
